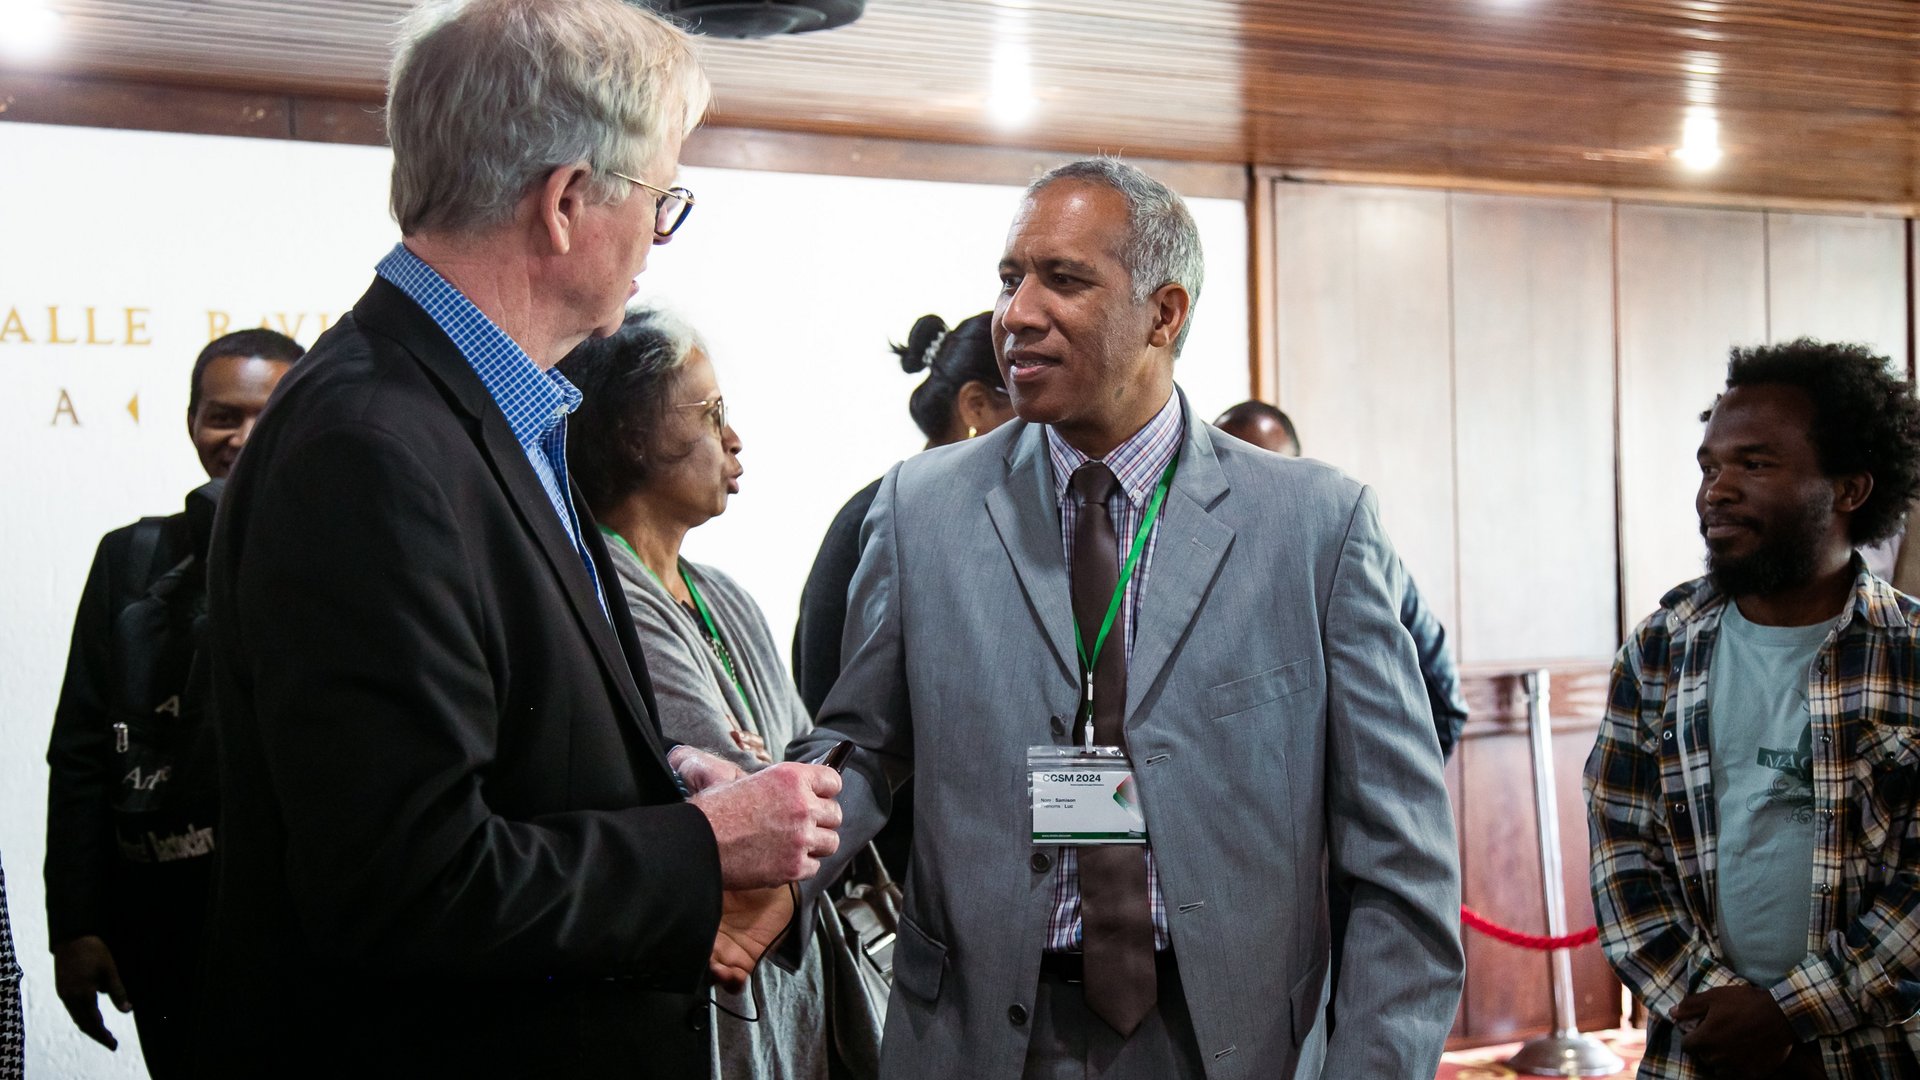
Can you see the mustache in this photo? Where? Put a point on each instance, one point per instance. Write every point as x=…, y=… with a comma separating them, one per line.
x=1721, y=517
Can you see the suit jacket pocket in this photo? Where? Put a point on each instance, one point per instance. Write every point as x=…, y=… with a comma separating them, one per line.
x=919, y=962
x=1255, y=690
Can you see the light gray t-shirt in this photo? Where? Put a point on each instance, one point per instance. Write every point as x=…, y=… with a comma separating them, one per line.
x=1761, y=735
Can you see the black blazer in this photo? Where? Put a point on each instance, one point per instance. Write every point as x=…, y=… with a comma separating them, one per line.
x=451, y=844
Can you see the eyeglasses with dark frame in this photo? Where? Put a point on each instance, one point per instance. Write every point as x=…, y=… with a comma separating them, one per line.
x=670, y=205
x=716, y=412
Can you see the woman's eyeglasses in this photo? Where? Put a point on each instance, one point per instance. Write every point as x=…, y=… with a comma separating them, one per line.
x=716, y=412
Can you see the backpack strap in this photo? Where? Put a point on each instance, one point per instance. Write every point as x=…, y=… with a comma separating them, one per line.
x=142, y=561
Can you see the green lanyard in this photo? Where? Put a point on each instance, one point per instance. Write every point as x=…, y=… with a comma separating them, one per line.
x=719, y=644
x=1089, y=659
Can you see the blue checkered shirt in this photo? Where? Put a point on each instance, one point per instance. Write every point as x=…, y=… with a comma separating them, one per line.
x=1137, y=463
x=535, y=402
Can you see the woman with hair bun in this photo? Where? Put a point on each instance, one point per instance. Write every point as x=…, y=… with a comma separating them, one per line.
x=963, y=396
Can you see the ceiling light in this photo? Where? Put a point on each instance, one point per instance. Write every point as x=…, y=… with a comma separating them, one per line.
x=1699, y=140
x=28, y=29
x=1010, y=101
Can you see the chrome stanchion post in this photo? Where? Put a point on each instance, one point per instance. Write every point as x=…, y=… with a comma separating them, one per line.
x=1566, y=1052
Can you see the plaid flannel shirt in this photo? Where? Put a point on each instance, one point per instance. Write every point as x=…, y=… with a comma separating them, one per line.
x=1652, y=820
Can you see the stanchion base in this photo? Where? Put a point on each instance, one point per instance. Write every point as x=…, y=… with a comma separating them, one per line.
x=1566, y=1053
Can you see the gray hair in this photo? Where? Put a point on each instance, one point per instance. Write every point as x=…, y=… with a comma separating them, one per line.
x=675, y=336
x=485, y=97
x=1163, y=244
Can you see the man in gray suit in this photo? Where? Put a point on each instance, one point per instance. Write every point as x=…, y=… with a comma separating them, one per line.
x=1217, y=623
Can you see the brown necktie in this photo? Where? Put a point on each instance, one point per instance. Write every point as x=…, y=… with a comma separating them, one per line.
x=1116, y=916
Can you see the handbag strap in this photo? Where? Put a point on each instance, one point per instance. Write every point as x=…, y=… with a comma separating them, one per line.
x=880, y=875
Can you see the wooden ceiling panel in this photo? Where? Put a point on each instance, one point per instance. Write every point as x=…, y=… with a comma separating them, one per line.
x=1814, y=99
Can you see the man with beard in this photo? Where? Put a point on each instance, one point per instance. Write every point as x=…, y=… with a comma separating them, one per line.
x=1765, y=713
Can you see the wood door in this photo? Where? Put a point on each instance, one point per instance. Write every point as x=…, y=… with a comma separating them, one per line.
x=1534, y=427
x=1365, y=356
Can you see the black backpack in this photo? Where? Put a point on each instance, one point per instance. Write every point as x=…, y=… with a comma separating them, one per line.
x=166, y=802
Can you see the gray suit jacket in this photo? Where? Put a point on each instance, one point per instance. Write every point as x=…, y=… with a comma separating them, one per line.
x=1275, y=716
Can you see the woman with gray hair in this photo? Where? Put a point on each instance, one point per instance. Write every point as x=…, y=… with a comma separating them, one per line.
x=653, y=453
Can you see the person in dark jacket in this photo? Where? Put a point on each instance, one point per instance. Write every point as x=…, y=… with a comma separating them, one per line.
x=455, y=842
x=962, y=397
x=1270, y=429
x=130, y=807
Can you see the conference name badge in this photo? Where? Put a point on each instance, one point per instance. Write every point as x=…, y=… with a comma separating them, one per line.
x=1084, y=795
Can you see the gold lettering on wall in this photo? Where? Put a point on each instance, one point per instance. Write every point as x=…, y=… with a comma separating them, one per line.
x=291, y=325
x=93, y=337
x=53, y=329
x=64, y=407
x=101, y=323
x=130, y=326
x=133, y=408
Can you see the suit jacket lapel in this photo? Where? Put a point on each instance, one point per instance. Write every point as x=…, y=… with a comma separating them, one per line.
x=1025, y=512
x=1187, y=557
x=390, y=312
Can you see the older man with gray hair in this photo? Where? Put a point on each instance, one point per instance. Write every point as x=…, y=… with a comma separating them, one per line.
x=455, y=841
x=1153, y=690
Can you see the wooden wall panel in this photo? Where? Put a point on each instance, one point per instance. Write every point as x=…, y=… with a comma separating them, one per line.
x=1839, y=278
x=1533, y=385
x=1364, y=356
x=1692, y=283
x=1508, y=993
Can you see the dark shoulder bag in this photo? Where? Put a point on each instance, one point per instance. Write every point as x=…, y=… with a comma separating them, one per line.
x=859, y=929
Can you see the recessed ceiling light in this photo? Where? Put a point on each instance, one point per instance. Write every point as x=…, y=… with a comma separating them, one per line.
x=1699, y=140
x=1010, y=100
x=28, y=29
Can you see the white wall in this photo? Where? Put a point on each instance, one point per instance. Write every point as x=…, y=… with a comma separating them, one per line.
x=797, y=281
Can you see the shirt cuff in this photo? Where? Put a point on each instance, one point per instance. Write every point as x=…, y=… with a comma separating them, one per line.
x=1714, y=974
x=1815, y=999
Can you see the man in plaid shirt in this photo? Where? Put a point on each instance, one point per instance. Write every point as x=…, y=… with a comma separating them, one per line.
x=1765, y=714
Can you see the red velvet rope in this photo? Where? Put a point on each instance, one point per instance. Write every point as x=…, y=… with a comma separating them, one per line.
x=1537, y=942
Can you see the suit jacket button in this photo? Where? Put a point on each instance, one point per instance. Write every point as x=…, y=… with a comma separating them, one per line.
x=1041, y=863
x=1017, y=1014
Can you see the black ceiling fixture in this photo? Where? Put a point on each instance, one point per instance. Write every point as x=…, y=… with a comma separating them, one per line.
x=759, y=18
